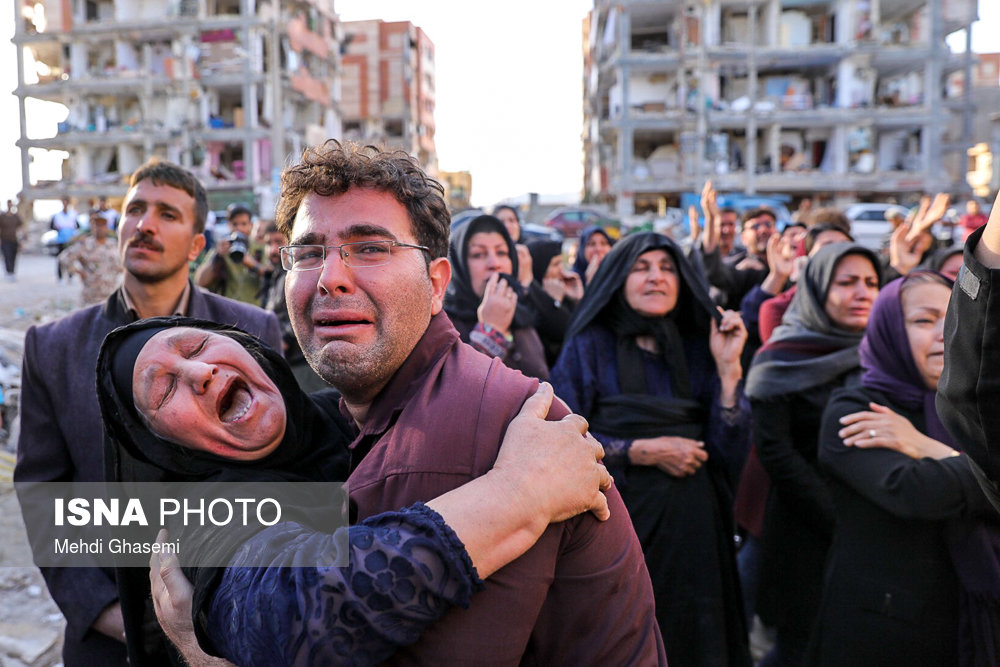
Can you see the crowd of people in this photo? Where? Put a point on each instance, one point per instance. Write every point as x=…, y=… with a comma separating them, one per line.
x=789, y=449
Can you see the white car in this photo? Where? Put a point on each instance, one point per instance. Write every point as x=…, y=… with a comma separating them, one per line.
x=869, y=224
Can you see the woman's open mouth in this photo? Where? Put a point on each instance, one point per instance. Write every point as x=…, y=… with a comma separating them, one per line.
x=234, y=402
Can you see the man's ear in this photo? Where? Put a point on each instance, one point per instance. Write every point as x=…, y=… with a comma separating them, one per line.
x=197, y=244
x=440, y=274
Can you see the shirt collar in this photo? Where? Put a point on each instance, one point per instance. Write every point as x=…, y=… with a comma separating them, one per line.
x=439, y=338
x=181, y=308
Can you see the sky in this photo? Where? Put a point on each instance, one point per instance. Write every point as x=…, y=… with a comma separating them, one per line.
x=509, y=90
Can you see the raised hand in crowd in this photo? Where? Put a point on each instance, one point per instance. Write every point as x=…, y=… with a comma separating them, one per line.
x=932, y=213
x=915, y=217
x=905, y=250
x=498, y=305
x=780, y=261
x=524, y=272
x=881, y=427
x=592, y=267
x=566, y=285
x=694, y=224
x=574, y=285
x=713, y=223
x=988, y=249
x=750, y=263
x=726, y=342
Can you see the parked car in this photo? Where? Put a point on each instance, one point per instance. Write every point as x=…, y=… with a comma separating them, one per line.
x=530, y=232
x=869, y=224
x=462, y=217
x=570, y=221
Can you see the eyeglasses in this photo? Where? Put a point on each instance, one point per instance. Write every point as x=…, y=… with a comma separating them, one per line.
x=759, y=225
x=359, y=255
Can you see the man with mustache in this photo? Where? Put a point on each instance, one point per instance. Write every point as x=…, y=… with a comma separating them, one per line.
x=61, y=433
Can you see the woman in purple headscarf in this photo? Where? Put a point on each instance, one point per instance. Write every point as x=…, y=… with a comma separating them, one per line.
x=912, y=577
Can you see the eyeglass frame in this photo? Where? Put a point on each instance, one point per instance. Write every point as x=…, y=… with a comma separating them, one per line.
x=344, y=255
x=756, y=224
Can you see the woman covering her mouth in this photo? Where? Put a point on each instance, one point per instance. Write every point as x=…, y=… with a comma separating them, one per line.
x=185, y=400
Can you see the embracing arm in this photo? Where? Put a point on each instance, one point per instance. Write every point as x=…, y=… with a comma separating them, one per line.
x=428, y=557
x=932, y=487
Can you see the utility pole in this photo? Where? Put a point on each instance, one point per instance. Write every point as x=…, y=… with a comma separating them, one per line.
x=277, y=104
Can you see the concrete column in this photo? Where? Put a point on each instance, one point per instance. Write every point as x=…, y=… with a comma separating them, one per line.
x=772, y=22
x=838, y=144
x=930, y=135
x=22, y=116
x=82, y=165
x=625, y=136
x=750, y=156
x=249, y=97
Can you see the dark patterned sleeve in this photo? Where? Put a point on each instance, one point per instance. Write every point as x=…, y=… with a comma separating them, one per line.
x=729, y=429
x=405, y=570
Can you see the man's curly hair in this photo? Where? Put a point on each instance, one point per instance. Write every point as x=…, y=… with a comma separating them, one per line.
x=331, y=169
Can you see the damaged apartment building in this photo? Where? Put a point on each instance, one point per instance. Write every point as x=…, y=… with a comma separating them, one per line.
x=842, y=100
x=388, y=88
x=228, y=88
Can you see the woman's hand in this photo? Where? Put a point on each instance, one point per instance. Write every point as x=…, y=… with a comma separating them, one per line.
x=554, y=464
x=567, y=285
x=172, y=596
x=555, y=287
x=905, y=254
x=525, y=276
x=592, y=268
x=781, y=263
x=673, y=455
x=574, y=286
x=498, y=305
x=726, y=342
x=881, y=427
x=693, y=223
x=932, y=214
x=713, y=224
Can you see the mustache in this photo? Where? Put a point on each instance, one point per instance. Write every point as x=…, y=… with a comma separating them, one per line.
x=144, y=240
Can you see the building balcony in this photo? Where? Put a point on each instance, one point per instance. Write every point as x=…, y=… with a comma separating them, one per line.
x=798, y=182
x=138, y=30
x=301, y=38
x=127, y=84
x=311, y=87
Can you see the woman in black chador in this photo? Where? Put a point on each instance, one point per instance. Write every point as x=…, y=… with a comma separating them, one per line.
x=655, y=368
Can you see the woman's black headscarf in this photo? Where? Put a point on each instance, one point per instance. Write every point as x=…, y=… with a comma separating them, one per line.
x=134, y=453
x=809, y=349
x=937, y=258
x=604, y=302
x=580, y=265
x=460, y=301
x=314, y=448
x=542, y=251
